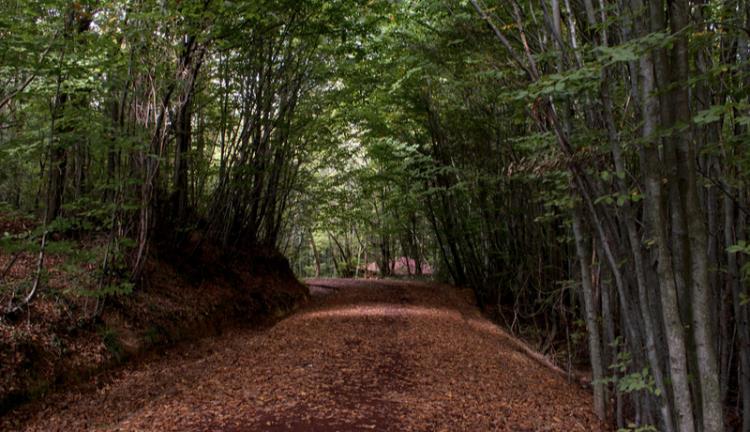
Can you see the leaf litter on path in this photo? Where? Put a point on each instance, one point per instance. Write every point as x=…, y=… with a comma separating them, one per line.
x=362, y=356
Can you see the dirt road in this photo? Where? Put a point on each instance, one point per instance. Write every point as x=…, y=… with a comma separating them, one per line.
x=362, y=356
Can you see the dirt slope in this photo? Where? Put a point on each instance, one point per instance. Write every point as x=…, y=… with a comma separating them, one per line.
x=385, y=356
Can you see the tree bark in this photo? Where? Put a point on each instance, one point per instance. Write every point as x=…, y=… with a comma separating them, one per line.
x=592, y=322
x=656, y=213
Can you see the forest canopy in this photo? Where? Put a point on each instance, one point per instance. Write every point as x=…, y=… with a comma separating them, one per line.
x=581, y=165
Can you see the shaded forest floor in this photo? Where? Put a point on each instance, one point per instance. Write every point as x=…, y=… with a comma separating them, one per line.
x=189, y=291
x=362, y=355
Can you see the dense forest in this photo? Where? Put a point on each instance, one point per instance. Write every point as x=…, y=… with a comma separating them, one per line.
x=581, y=165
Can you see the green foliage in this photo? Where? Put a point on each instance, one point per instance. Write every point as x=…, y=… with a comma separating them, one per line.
x=113, y=289
x=111, y=341
x=630, y=382
x=560, y=85
x=742, y=248
x=638, y=381
x=623, y=360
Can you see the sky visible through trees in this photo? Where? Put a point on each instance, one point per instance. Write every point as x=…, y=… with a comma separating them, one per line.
x=581, y=165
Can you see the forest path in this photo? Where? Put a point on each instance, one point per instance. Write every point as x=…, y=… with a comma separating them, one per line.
x=363, y=355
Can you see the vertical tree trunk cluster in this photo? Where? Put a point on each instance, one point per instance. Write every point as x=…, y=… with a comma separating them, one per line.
x=166, y=117
x=670, y=176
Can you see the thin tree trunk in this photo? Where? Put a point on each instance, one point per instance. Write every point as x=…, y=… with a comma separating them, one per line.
x=316, y=255
x=592, y=322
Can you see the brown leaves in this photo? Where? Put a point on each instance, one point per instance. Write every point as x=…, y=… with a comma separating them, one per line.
x=369, y=356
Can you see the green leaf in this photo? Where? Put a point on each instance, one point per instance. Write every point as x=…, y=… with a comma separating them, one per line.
x=620, y=53
x=709, y=115
x=741, y=247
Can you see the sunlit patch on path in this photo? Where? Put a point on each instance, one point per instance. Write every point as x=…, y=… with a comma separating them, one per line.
x=385, y=356
x=382, y=310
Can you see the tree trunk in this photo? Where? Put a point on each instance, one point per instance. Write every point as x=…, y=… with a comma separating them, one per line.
x=656, y=214
x=701, y=288
x=183, y=132
x=733, y=232
x=316, y=255
x=592, y=322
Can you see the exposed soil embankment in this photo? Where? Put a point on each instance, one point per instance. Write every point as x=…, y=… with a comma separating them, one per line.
x=188, y=292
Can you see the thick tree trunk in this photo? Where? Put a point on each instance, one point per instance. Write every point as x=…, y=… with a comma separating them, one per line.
x=701, y=288
x=733, y=232
x=189, y=66
x=656, y=213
